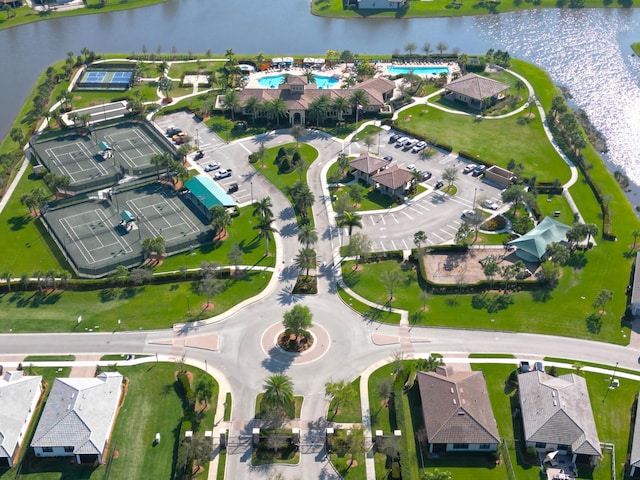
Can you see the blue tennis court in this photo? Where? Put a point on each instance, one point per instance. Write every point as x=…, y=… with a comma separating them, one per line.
x=94, y=77
x=121, y=77
x=105, y=79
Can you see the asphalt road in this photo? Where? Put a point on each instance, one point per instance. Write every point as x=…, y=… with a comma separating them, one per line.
x=350, y=349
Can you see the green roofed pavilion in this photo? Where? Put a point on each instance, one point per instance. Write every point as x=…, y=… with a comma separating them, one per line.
x=208, y=193
x=532, y=246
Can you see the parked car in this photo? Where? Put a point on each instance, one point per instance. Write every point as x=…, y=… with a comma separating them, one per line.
x=479, y=170
x=439, y=184
x=426, y=175
x=408, y=145
x=418, y=147
x=199, y=154
x=178, y=135
x=179, y=140
x=469, y=168
x=393, y=138
x=538, y=366
x=388, y=158
x=491, y=205
x=210, y=167
x=233, y=187
x=401, y=141
x=220, y=174
x=524, y=367
x=468, y=213
x=171, y=131
x=411, y=167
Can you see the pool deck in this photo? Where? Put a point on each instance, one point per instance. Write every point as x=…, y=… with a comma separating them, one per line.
x=341, y=71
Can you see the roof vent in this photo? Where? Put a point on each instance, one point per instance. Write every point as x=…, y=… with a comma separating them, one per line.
x=553, y=394
x=460, y=412
x=454, y=401
x=451, y=389
x=555, y=403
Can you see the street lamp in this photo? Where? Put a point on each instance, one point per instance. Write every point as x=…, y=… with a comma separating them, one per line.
x=475, y=190
x=197, y=139
x=188, y=307
x=251, y=186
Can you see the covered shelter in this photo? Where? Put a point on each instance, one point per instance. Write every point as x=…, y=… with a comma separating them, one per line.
x=127, y=216
x=104, y=146
x=472, y=89
x=532, y=246
x=206, y=194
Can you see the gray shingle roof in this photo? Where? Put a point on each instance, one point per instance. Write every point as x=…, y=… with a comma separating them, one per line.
x=79, y=413
x=558, y=411
x=456, y=408
x=17, y=394
x=634, y=459
x=476, y=86
x=635, y=292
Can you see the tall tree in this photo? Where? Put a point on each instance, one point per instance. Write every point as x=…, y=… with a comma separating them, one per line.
x=203, y=390
x=305, y=259
x=298, y=321
x=410, y=48
x=297, y=132
x=235, y=256
x=600, y=302
x=441, y=47
x=450, y=175
x=358, y=100
x=265, y=228
x=341, y=394
x=391, y=279
x=278, y=391
x=231, y=102
x=220, y=220
x=350, y=220
x=307, y=235
x=263, y=208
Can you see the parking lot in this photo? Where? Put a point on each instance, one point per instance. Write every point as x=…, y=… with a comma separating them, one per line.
x=437, y=214
x=216, y=151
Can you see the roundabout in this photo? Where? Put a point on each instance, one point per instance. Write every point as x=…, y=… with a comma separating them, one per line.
x=320, y=343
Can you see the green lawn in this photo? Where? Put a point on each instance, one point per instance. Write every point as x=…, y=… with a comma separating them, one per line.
x=375, y=314
x=25, y=14
x=440, y=8
x=240, y=232
x=349, y=413
x=551, y=308
x=636, y=48
x=549, y=204
x=368, y=131
x=285, y=180
x=137, y=307
x=347, y=472
x=48, y=358
x=612, y=412
x=380, y=413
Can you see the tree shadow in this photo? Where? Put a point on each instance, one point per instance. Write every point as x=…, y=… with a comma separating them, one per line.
x=277, y=361
x=541, y=295
x=19, y=222
x=289, y=230
x=594, y=323
x=287, y=213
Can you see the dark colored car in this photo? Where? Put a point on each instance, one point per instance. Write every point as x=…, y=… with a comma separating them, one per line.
x=388, y=158
x=394, y=138
x=233, y=187
x=426, y=175
x=439, y=184
x=199, y=154
x=171, y=131
x=479, y=170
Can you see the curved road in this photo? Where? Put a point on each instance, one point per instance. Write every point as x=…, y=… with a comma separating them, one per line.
x=239, y=354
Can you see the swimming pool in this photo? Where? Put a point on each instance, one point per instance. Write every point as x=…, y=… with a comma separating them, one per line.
x=273, y=81
x=393, y=70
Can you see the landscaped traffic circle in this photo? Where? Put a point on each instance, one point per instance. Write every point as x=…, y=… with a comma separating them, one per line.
x=314, y=349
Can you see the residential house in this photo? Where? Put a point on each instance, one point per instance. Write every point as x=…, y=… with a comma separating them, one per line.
x=634, y=458
x=366, y=166
x=473, y=89
x=557, y=416
x=298, y=94
x=19, y=396
x=532, y=246
x=457, y=411
x=394, y=181
x=78, y=418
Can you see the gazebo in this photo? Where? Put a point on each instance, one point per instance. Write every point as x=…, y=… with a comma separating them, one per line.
x=532, y=246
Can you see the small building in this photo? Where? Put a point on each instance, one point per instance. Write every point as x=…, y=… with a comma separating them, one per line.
x=472, y=89
x=457, y=411
x=382, y=4
x=498, y=175
x=634, y=458
x=205, y=194
x=78, y=418
x=557, y=416
x=532, y=246
x=366, y=166
x=19, y=396
x=394, y=181
x=635, y=289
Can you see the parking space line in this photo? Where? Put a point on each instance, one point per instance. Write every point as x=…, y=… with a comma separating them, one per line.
x=382, y=247
x=394, y=217
x=406, y=214
x=405, y=244
x=394, y=245
x=436, y=235
x=423, y=207
x=373, y=222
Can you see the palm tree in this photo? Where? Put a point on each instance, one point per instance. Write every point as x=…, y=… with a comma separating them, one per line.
x=231, y=102
x=349, y=220
x=305, y=259
x=165, y=85
x=262, y=208
x=358, y=100
x=264, y=228
x=203, y=390
x=276, y=109
x=6, y=276
x=307, y=235
x=591, y=229
x=441, y=47
x=519, y=86
x=278, y=391
x=463, y=59
x=426, y=48
x=253, y=106
x=220, y=220
x=319, y=108
x=303, y=198
x=297, y=132
x=311, y=77
x=636, y=234
x=341, y=106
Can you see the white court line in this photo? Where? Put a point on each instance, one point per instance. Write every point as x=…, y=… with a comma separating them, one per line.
x=58, y=163
x=77, y=242
x=94, y=164
x=118, y=239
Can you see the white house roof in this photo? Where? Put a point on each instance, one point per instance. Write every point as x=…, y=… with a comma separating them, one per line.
x=79, y=413
x=557, y=410
x=17, y=395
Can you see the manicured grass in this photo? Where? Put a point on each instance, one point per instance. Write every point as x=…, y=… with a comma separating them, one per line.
x=347, y=472
x=285, y=180
x=293, y=412
x=152, y=405
x=589, y=364
x=222, y=126
x=549, y=204
x=240, y=232
x=25, y=14
x=222, y=461
x=494, y=140
x=368, y=131
x=49, y=358
x=491, y=355
x=24, y=236
x=179, y=69
x=439, y=8
x=380, y=413
x=375, y=314
x=350, y=413
x=120, y=357
x=552, y=308
x=636, y=48
x=137, y=307
x=228, y=403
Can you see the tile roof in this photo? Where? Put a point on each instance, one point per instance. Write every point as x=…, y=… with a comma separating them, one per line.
x=456, y=408
x=558, y=411
x=476, y=86
x=368, y=163
x=17, y=395
x=393, y=177
x=79, y=413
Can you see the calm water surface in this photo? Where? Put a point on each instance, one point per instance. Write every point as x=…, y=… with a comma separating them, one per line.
x=586, y=51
